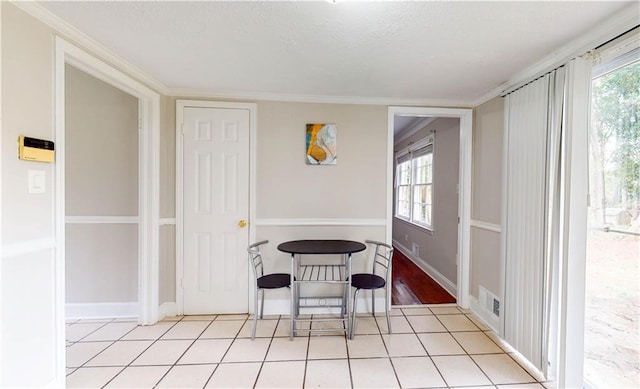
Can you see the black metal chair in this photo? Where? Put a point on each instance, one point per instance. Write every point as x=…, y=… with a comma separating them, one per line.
x=263, y=281
x=377, y=279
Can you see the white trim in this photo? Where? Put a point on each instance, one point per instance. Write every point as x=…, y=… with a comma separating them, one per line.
x=320, y=222
x=101, y=310
x=443, y=281
x=102, y=220
x=464, y=182
x=167, y=221
x=149, y=170
x=167, y=309
x=302, y=98
x=47, y=17
x=620, y=52
x=28, y=247
x=486, y=226
x=487, y=319
x=179, y=220
x=619, y=23
x=58, y=378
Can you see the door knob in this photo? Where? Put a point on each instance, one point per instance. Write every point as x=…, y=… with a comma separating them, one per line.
x=242, y=223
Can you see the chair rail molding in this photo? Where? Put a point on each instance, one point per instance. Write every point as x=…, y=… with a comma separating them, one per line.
x=24, y=247
x=486, y=226
x=102, y=219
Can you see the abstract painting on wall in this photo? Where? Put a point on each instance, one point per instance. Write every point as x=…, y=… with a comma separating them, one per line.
x=321, y=144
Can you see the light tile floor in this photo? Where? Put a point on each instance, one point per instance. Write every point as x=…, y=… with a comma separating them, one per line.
x=430, y=347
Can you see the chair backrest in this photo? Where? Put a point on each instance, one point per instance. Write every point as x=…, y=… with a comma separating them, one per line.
x=255, y=259
x=383, y=254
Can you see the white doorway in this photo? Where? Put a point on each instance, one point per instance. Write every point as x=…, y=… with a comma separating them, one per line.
x=148, y=175
x=148, y=192
x=214, y=208
x=464, y=190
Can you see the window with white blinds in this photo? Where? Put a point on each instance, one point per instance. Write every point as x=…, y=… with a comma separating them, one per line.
x=414, y=184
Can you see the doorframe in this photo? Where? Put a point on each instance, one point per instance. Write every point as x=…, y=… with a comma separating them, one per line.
x=464, y=181
x=148, y=175
x=253, y=136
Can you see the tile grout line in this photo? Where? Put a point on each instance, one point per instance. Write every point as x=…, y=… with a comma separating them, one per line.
x=349, y=358
x=466, y=352
x=228, y=348
x=98, y=341
x=185, y=351
x=143, y=351
x=427, y=351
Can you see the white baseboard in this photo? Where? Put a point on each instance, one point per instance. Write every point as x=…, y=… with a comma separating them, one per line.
x=102, y=310
x=167, y=309
x=487, y=318
x=430, y=270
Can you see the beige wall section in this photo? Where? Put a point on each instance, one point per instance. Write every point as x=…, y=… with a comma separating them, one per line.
x=101, y=147
x=168, y=157
x=438, y=249
x=27, y=88
x=488, y=132
x=167, y=266
x=487, y=161
x=27, y=336
x=289, y=188
x=102, y=263
x=101, y=138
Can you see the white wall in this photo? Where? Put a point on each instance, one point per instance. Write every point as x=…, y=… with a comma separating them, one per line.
x=28, y=263
x=31, y=335
x=438, y=249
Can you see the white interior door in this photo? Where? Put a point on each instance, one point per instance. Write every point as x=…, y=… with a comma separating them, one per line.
x=215, y=210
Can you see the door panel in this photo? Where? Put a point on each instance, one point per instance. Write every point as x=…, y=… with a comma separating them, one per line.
x=216, y=198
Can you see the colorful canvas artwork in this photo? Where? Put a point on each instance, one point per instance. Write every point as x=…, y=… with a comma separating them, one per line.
x=321, y=144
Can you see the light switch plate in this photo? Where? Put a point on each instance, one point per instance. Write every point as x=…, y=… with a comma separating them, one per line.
x=37, y=180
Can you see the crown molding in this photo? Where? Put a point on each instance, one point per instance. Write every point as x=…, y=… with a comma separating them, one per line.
x=301, y=98
x=72, y=33
x=619, y=23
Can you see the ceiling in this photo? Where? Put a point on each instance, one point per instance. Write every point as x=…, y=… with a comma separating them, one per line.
x=441, y=51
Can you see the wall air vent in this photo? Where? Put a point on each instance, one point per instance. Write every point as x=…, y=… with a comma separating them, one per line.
x=489, y=302
x=415, y=250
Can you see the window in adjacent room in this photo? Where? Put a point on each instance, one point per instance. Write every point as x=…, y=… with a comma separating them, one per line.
x=414, y=183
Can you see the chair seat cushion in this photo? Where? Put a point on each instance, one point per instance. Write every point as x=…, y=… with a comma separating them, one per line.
x=274, y=281
x=367, y=281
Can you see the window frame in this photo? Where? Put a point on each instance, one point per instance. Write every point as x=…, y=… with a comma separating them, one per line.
x=411, y=154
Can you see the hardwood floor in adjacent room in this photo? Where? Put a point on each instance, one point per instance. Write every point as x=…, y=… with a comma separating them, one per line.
x=411, y=285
